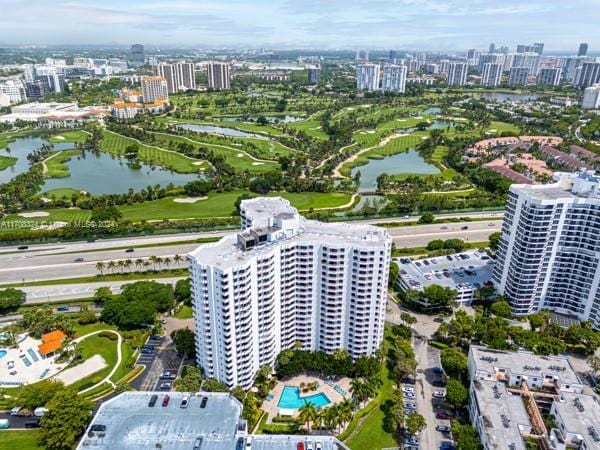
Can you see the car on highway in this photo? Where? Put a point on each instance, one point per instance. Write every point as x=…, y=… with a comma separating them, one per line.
x=166, y=385
x=165, y=401
x=439, y=394
x=168, y=375
x=442, y=428
x=444, y=228
x=443, y=415
x=466, y=227
x=491, y=224
x=22, y=247
x=78, y=260
x=129, y=250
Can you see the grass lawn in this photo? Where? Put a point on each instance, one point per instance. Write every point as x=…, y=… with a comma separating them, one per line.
x=249, y=127
x=97, y=345
x=311, y=127
x=185, y=312
x=222, y=205
x=77, y=136
x=57, y=163
x=234, y=156
x=20, y=440
x=116, y=144
x=54, y=215
x=60, y=193
x=7, y=161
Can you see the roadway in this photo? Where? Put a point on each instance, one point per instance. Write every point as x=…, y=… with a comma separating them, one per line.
x=78, y=259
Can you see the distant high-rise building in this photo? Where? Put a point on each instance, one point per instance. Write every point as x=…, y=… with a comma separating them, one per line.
x=314, y=74
x=457, y=73
x=393, y=55
x=472, y=57
x=549, y=76
x=14, y=90
x=492, y=48
x=589, y=74
x=367, y=77
x=528, y=59
x=518, y=75
x=494, y=58
x=154, y=89
x=583, y=48
x=538, y=48
x=218, y=75
x=591, y=97
x=394, y=78
x=522, y=48
x=179, y=76
x=491, y=74
x=570, y=67
x=137, y=55
x=444, y=66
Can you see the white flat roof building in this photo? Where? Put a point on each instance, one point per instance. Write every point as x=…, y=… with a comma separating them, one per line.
x=577, y=418
x=282, y=280
x=591, y=97
x=549, y=252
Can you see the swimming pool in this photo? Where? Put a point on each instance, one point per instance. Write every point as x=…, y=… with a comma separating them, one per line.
x=290, y=399
x=2, y=353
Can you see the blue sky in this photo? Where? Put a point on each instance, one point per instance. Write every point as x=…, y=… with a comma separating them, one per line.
x=403, y=24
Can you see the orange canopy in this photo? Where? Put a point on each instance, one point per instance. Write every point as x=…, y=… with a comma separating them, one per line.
x=51, y=342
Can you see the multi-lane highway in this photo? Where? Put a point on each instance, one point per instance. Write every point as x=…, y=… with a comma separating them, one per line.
x=79, y=259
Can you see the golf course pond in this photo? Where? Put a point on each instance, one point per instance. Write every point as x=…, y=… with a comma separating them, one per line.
x=223, y=131
x=408, y=163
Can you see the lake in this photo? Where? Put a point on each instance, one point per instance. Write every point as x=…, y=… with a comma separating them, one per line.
x=432, y=110
x=501, y=97
x=409, y=162
x=223, y=131
x=101, y=173
x=20, y=148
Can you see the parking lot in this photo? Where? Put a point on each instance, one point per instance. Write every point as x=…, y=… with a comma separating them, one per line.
x=158, y=355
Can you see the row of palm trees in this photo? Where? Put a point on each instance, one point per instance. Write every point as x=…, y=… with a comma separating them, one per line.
x=139, y=264
x=339, y=415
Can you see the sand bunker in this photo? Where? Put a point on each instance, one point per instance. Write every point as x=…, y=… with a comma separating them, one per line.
x=34, y=214
x=189, y=199
x=60, y=138
x=198, y=163
x=257, y=164
x=240, y=155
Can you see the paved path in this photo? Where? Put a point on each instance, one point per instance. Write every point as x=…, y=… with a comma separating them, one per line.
x=107, y=378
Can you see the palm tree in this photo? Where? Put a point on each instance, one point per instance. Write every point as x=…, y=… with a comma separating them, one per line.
x=127, y=263
x=359, y=391
x=139, y=263
x=345, y=411
x=177, y=259
x=307, y=414
x=146, y=264
x=154, y=260
x=100, y=267
x=166, y=261
x=121, y=264
x=330, y=418
x=111, y=266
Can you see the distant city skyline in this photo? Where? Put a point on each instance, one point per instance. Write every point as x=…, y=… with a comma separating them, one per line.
x=435, y=25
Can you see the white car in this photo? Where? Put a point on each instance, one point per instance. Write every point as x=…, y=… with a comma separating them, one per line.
x=309, y=445
x=407, y=389
x=318, y=445
x=409, y=394
x=439, y=394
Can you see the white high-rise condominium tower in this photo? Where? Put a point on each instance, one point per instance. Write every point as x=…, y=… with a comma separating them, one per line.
x=367, y=77
x=530, y=60
x=154, y=88
x=518, y=75
x=549, y=76
x=179, y=76
x=591, y=97
x=218, y=75
x=285, y=280
x=394, y=78
x=491, y=75
x=549, y=252
x=588, y=75
x=457, y=74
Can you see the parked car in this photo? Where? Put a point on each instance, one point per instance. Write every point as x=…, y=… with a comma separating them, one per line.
x=439, y=394
x=411, y=441
x=32, y=424
x=409, y=395
x=168, y=375
x=185, y=401
x=443, y=415
x=443, y=428
x=203, y=402
x=309, y=445
x=165, y=401
x=447, y=446
x=300, y=445
x=152, y=401
x=98, y=427
x=318, y=445
x=39, y=412
x=12, y=373
x=437, y=370
x=407, y=389
x=165, y=385
x=198, y=443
